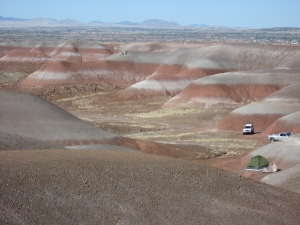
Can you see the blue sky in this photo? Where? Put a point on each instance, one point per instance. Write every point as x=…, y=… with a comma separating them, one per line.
x=230, y=13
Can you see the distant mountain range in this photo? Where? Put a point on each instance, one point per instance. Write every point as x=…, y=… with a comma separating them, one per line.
x=10, y=21
x=159, y=23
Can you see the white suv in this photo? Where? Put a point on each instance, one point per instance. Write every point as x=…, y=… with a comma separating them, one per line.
x=248, y=129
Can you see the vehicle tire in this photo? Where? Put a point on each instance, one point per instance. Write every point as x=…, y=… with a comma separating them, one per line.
x=272, y=140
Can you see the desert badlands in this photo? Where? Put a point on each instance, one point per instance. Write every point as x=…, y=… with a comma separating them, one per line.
x=147, y=133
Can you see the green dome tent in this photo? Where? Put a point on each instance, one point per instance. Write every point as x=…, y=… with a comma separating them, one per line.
x=258, y=162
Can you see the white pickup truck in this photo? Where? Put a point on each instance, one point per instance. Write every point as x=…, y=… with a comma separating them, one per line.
x=248, y=129
x=278, y=137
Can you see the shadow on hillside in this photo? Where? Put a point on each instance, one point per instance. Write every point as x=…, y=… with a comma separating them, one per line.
x=253, y=133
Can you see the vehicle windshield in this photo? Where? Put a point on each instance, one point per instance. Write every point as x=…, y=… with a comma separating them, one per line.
x=247, y=126
x=286, y=134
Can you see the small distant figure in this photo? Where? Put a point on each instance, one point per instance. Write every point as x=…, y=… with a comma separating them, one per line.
x=123, y=53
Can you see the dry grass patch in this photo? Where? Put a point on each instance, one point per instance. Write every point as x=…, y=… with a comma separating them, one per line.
x=167, y=113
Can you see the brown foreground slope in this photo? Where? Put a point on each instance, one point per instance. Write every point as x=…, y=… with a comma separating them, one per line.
x=102, y=187
x=33, y=117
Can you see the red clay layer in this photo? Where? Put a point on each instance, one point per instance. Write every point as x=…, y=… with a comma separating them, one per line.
x=289, y=123
x=71, y=51
x=215, y=94
x=236, y=122
x=118, y=73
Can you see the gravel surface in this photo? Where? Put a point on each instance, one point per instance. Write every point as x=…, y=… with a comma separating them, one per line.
x=104, y=187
